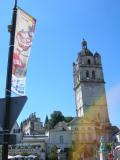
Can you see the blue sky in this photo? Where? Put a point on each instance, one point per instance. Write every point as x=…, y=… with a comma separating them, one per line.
x=61, y=26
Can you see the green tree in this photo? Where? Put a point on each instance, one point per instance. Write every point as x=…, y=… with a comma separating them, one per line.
x=68, y=119
x=46, y=119
x=53, y=153
x=46, y=123
x=56, y=117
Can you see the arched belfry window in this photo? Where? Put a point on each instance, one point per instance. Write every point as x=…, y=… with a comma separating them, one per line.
x=89, y=62
x=93, y=74
x=87, y=74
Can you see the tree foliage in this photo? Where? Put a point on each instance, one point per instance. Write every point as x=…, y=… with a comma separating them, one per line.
x=56, y=117
x=53, y=153
x=68, y=119
x=25, y=154
x=110, y=146
x=46, y=123
x=46, y=119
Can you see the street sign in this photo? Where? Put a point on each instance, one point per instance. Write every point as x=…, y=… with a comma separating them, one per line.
x=16, y=105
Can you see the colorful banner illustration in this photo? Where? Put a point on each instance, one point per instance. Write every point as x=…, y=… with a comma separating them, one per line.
x=25, y=27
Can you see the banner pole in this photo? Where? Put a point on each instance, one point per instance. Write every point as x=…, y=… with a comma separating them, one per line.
x=6, y=131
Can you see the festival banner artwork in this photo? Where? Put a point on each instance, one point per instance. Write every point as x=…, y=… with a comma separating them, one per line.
x=24, y=32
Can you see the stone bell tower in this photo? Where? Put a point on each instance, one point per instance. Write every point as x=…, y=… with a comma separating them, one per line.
x=89, y=85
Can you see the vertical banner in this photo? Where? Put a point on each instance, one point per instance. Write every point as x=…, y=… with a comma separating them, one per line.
x=25, y=27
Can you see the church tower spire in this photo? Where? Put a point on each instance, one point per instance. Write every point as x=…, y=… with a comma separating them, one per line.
x=84, y=44
x=89, y=85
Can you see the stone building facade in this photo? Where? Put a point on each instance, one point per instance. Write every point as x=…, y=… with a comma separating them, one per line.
x=60, y=136
x=89, y=85
x=92, y=119
x=32, y=125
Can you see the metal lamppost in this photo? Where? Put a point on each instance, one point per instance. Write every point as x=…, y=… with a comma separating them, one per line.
x=6, y=130
x=10, y=107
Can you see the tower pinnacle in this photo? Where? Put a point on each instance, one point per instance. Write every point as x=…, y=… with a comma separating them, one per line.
x=84, y=44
